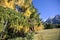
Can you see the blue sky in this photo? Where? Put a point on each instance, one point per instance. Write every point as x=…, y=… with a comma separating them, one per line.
x=47, y=8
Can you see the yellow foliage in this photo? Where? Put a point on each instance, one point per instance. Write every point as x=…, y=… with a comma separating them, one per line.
x=5, y=3
x=20, y=28
x=26, y=29
x=28, y=12
x=38, y=28
x=22, y=3
x=17, y=27
x=19, y=2
x=9, y=4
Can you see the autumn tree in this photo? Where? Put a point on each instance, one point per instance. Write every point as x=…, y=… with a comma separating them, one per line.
x=18, y=17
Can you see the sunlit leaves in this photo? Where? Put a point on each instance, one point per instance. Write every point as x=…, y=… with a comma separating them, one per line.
x=19, y=23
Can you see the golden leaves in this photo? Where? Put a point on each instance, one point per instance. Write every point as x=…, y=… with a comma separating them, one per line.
x=38, y=28
x=27, y=13
x=9, y=4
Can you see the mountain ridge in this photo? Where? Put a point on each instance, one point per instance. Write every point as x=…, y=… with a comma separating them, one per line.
x=53, y=20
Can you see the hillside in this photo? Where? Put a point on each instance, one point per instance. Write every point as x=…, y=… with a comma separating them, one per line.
x=55, y=20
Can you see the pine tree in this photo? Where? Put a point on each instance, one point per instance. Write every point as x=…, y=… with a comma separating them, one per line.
x=18, y=17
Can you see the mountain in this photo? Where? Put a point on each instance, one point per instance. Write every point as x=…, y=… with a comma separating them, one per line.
x=53, y=20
